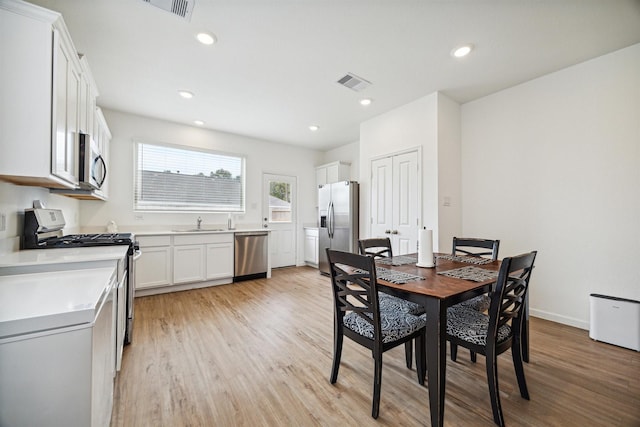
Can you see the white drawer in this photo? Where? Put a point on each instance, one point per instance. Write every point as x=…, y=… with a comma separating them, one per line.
x=146, y=241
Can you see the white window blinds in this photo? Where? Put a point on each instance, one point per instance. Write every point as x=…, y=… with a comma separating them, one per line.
x=169, y=178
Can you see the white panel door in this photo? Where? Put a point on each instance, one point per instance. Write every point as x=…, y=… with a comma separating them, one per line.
x=280, y=216
x=405, y=203
x=395, y=201
x=381, y=197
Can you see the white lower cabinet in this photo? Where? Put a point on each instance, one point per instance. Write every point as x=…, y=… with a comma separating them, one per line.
x=153, y=268
x=61, y=376
x=188, y=263
x=219, y=260
x=171, y=262
x=311, y=246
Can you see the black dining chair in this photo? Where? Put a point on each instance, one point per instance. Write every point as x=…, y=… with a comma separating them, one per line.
x=377, y=247
x=484, y=248
x=380, y=247
x=357, y=316
x=498, y=331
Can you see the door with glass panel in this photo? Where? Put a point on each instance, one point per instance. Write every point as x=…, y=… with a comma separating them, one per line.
x=279, y=216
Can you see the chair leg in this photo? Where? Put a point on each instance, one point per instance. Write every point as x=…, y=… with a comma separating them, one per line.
x=474, y=356
x=337, y=354
x=421, y=359
x=516, y=354
x=377, y=383
x=408, y=355
x=492, y=379
x=454, y=351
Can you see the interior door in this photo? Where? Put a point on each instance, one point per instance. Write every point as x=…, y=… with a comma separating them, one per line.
x=280, y=216
x=381, y=197
x=405, y=203
x=395, y=201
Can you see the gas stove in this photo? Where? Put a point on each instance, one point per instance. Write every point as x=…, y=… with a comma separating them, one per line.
x=73, y=240
x=43, y=230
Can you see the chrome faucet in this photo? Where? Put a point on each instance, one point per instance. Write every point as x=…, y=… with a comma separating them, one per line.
x=199, y=221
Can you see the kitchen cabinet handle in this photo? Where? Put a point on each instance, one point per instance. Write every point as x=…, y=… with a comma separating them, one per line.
x=387, y=231
x=394, y=232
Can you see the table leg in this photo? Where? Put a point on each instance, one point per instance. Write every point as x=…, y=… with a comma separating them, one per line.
x=436, y=357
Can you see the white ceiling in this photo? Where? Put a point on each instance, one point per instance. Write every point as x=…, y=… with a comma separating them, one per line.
x=274, y=69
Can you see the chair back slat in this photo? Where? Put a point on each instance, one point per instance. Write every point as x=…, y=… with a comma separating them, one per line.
x=508, y=297
x=378, y=247
x=353, y=279
x=473, y=247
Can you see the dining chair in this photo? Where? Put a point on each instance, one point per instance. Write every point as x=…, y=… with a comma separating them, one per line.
x=479, y=248
x=377, y=247
x=498, y=331
x=380, y=247
x=357, y=316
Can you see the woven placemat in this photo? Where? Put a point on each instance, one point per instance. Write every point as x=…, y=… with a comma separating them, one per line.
x=475, y=274
x=398, y=260
x=468, y=259
x=393, y=276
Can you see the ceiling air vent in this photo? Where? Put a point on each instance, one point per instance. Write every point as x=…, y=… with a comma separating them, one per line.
x=354, y=82
x=181, y=8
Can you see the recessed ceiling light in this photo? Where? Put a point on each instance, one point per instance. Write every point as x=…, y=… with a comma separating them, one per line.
x=206, y=38
x=185, y=94
x=314, y=128
x=198, y=122
x=366, y=101
x=462, y=51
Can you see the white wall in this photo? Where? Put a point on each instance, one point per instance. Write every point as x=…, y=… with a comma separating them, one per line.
x=261, y=156
x=431, y=123
x=14, y=199
x=554, y=165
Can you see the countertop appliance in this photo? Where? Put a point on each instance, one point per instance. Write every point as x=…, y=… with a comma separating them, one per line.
x=251, y=255
x=43, y=230
x=337, y=219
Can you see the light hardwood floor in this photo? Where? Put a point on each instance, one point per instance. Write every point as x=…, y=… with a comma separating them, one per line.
x=259, y=353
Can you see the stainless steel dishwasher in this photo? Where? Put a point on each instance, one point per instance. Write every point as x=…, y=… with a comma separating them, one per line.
x=251, y=253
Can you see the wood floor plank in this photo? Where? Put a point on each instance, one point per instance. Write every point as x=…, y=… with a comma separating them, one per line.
x=258, y=353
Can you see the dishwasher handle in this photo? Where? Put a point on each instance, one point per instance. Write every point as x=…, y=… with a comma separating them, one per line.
x=251, y=233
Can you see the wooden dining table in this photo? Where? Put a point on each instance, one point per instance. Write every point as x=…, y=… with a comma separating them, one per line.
x=435, y=292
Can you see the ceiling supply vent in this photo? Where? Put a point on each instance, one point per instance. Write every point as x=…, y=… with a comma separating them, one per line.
x=181, y=8
x=354, y=82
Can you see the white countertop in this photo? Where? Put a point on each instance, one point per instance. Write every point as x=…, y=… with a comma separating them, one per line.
x=41, y=257
x=44, y=301
x=204, y=230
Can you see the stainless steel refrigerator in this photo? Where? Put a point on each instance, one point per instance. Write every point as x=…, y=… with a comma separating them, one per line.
x=337, y=219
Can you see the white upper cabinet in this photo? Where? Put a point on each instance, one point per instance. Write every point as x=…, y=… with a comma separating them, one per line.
x=66, y=109
x=333, y=172
x=88, y=95
x=48, y=98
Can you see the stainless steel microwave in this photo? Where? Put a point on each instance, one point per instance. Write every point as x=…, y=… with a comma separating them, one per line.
x=92, y=169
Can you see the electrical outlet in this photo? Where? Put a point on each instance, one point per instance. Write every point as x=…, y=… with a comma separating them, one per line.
x=3, y=221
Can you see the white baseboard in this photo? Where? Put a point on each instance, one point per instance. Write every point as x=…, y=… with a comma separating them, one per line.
x=565, y=320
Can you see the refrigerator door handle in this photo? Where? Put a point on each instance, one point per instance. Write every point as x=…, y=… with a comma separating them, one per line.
x=330, y=218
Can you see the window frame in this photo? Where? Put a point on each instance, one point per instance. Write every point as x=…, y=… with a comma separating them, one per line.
x=194, y=208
